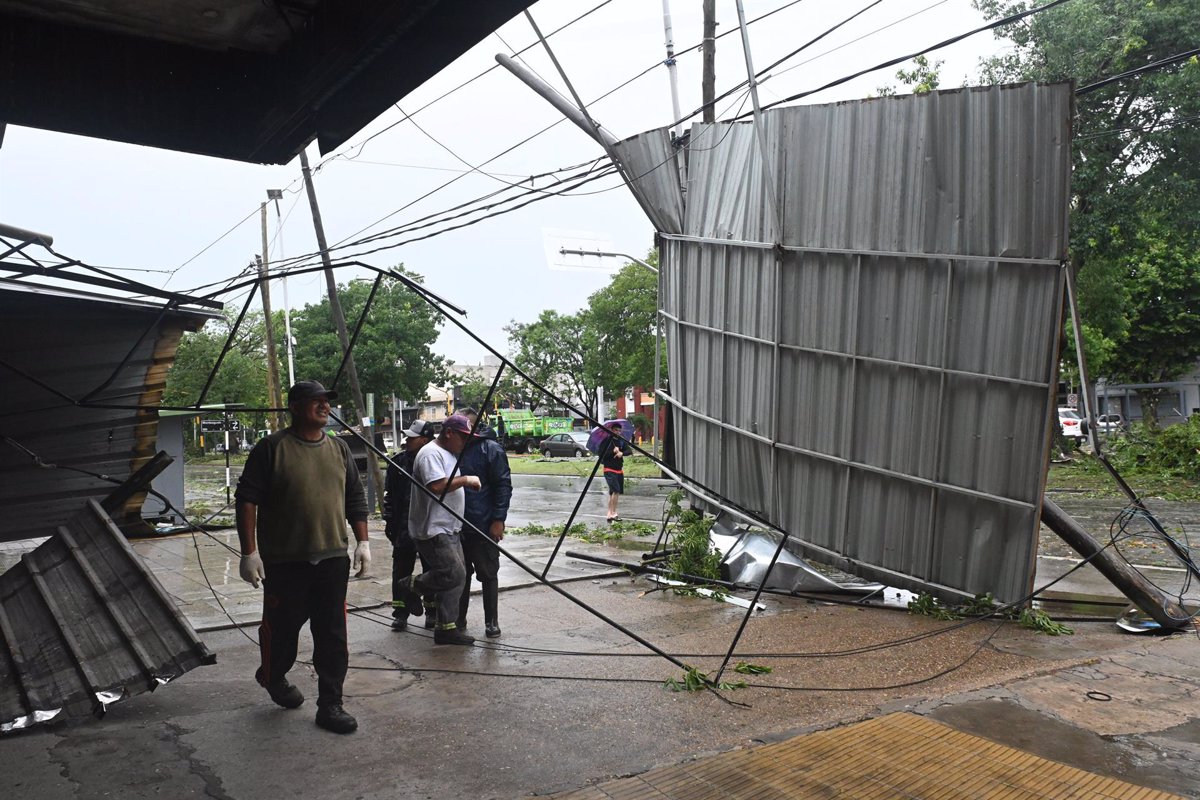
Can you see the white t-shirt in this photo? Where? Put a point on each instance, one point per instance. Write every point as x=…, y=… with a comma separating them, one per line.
x=426, y=517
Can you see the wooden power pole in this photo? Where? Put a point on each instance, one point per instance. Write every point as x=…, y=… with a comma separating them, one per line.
x=339, y=322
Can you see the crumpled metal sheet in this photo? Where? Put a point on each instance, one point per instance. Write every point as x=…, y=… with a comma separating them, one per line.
x=84, y=624
x=746, y=555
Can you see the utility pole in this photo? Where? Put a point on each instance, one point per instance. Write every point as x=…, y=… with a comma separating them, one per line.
x=274, y=392
x=677, y=129
x=276, y=195
x=708, y=61
x=339, y=322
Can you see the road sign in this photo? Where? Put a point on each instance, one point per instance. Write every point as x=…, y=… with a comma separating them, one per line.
x=1073, y=400
x=218, y=425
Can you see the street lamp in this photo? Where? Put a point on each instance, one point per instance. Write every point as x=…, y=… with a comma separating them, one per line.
x=657, y=322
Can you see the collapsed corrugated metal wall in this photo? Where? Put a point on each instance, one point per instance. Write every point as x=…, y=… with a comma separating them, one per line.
x=58, y=348
x=83, y=624
x=873, y=370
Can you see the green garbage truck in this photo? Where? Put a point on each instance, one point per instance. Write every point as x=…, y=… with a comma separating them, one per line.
x=521, y=431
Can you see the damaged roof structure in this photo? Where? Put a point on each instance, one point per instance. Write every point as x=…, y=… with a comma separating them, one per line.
x=888, y=276
x=242, y=79
x=83, y=374
x=235, y=79
x=82, y=623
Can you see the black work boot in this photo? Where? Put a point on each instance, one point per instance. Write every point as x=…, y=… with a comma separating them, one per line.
x=452, y=636
x=283, y=693
x=492, y=629
x=334, y=718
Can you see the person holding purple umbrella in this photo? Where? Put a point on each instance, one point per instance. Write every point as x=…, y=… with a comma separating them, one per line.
x=612, y=459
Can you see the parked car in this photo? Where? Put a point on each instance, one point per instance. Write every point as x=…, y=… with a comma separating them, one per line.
x=1110, y=423
x=565, y=444
x=1072, y=426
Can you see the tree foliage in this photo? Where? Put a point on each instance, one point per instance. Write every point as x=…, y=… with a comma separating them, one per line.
x=923, y=78
x=610, y=343
x=242, y=377
x=393, y=352
x=512, y=391
x=1135, y=180
x=559, y=352
x=622, y=316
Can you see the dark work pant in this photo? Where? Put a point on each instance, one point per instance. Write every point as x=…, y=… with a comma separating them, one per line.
x=404, y=559
x=443, y=578
x=296, y=592
x=480, y=557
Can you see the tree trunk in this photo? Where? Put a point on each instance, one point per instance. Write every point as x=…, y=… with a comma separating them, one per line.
x=1149, y=399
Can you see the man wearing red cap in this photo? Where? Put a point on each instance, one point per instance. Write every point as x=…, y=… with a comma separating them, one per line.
x=434, y=520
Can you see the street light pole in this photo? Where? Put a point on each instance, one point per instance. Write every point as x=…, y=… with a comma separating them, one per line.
x=657, y=327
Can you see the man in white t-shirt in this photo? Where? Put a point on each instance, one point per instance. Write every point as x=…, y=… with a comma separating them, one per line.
x=435, y=529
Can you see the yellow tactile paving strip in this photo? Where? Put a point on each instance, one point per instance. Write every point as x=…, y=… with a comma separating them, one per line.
x=896, y=756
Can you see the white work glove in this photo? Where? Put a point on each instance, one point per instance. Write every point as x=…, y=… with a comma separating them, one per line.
x=472, y=482
x=251, y=569
x=362, y=559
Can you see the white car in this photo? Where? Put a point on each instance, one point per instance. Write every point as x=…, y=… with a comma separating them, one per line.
x=1072, y=425
x=1110, y=423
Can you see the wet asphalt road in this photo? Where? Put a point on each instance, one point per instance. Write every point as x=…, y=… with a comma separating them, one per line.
x=550, y=499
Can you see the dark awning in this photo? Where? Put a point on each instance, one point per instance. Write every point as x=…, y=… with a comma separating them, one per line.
x=239, y=79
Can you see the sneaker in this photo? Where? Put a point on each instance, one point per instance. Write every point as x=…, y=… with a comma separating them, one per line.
x=452, y=636
x=492, y=630
x=285, y=694
x=335, y=718
x=399, y=623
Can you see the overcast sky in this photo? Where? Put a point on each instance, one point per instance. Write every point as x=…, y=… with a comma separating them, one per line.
x=138, y=208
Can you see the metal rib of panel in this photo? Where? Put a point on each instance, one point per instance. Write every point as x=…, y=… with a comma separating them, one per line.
x=878, y=380
x=58, y=347
x=84, y=624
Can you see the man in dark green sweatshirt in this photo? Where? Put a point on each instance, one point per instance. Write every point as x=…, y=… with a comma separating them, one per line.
x=297, y=491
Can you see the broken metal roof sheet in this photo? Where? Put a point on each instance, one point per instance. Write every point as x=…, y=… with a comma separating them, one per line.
x=874, y=371
x=84, y=624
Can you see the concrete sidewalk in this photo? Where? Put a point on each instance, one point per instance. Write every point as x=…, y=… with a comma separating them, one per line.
x=564, y=701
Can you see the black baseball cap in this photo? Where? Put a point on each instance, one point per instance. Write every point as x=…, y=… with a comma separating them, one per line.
x=303, y=391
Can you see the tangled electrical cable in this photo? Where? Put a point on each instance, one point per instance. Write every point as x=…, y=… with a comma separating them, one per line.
x=1119, y=533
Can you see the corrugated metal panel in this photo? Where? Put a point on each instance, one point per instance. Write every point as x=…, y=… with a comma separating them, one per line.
x=879, y=380
x=655, y=176
x=84, y=624
x=56, y=343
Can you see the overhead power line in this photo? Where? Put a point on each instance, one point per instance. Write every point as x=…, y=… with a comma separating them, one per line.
x=1157, y=65
x=901, y=59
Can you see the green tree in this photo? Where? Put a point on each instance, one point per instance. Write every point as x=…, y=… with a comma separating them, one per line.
x=512, y=391
x=242, y=377
x=622, y=316
x=1135, y=180
x=559, y=352
x=393, y=352
x=921, y=79
x=1162, y=270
